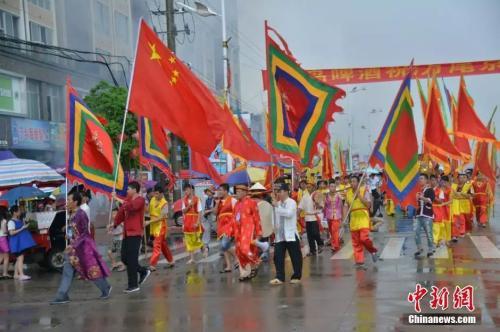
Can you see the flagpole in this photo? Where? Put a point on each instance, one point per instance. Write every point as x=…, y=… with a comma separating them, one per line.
x=66, y=207
x=120, y=146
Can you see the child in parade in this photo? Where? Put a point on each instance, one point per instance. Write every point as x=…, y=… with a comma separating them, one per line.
x=4, y=243
x=191, y=208
x=20, y=240
x=116, y=246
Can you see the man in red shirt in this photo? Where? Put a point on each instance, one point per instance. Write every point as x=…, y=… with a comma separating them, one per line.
x=131, y=214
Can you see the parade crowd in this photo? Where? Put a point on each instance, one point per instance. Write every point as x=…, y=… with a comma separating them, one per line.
x=249, y=222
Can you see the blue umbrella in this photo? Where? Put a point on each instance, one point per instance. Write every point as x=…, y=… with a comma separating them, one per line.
x=21, y=192
x=237, y=176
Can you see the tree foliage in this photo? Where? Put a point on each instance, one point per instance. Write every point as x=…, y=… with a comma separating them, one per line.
x=108, y=101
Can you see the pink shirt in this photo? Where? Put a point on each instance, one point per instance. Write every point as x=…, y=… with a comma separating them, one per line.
x=333, y=208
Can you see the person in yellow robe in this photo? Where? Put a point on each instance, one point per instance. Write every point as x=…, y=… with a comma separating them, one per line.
x=360, y=203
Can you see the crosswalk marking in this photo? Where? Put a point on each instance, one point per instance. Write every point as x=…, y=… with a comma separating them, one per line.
x=441, y=253
x=345, y=252
x=485, y=247
x=392, y=249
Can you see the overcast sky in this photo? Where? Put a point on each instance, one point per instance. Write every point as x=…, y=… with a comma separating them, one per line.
x=357, y=33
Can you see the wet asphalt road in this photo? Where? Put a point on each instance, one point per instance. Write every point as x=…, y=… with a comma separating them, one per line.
x=333, y=296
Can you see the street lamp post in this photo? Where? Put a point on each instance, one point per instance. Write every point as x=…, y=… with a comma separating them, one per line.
x=354, y=89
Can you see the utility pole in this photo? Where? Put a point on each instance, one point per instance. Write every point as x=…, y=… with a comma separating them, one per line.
x=175, y=155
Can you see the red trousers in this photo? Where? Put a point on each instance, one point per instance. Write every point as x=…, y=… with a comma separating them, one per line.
x=361, y=240
x=160, y=246
x=468, y=222
x=333, y=228
x=481, y=214
x=458, y=225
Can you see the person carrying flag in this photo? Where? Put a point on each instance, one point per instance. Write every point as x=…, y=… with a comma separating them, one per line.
x=191, y=208
x=247, y=230
x=359, y=201
x=481, y=199
x=158, y=212
x=225, y=224
x=461, y=206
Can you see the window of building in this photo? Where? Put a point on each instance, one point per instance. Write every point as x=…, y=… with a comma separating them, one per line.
x=9, y=24
x=102, y=18
x=41, y=3
x=33, y=99
x=55, y=103
x=41, y=34
x=121, y=27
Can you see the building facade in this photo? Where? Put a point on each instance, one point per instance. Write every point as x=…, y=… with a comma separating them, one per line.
x=38, y=44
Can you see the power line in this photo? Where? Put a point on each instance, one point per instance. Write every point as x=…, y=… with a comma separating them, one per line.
x=61, y=52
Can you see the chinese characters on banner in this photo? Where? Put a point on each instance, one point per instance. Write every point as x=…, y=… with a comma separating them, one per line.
x=384, y=74
x=462, y=297
x=37, y=135
x=30, y=134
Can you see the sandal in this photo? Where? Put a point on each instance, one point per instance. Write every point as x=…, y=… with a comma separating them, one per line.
x=225, y=271
x=242, y=279
x=254, y=272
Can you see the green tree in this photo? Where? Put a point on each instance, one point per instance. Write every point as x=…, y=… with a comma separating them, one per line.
x=108, y=102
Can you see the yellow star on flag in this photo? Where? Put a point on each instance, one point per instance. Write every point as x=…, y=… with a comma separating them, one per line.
x=171, y=59
x=175, y=73
x=154, y=53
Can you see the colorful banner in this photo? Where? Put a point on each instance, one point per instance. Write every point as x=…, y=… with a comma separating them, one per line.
x=384, y=74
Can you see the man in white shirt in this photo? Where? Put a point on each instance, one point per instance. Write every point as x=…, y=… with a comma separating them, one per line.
x=266, y=213
x=286, y=237
x=306, y=206
x=86, y=197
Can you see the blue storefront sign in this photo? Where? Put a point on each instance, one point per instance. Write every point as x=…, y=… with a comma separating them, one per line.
x=30, y=134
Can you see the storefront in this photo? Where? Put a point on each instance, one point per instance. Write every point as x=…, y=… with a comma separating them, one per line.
x=34, y=139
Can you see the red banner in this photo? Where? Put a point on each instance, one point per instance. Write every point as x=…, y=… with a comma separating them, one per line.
x=384, y=74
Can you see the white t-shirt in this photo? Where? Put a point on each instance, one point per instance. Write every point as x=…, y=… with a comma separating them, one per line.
x=11, y=225
x=118, y=233
x=307, y=205
x=3, y=228
x=86, y=208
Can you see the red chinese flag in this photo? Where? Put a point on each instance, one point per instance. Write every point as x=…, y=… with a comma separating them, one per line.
x=202, y=165
x=164, y=90
x=436, y=137
x=468, y=123
x=239, y=142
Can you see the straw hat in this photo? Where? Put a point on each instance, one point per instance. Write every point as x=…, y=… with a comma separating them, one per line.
x=257, y=187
